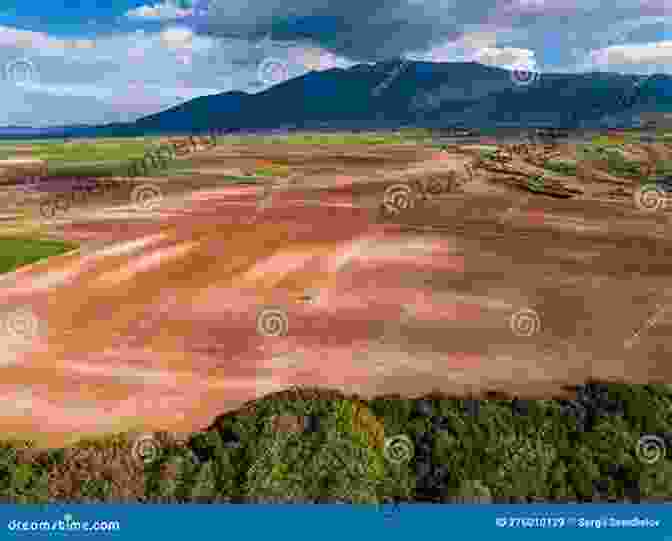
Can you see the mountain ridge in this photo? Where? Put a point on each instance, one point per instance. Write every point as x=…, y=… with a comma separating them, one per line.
x=422, y=94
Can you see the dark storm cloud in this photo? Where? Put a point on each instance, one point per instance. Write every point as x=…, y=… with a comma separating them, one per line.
x=371, y=30
x=366, y=30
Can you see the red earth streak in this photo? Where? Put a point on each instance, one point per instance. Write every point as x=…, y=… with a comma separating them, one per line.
x=163, y=335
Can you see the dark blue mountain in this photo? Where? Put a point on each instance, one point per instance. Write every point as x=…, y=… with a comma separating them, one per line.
x=424, y=94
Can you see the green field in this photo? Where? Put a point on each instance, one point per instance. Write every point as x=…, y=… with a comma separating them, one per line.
x=110, y=157
x=107, y=157
x=403, y=136
x=100, y=158
x=17, y=252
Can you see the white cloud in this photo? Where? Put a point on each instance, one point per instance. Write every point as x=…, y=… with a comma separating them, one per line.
x=531, y=5
x=479, y=39
x=177, y=38
x=139, y=73
x=314, y=59
x=26, y=39
x=167, y=11
x=506, y=57
x=80, y=77
x=644, y=53
x=451, y=51
x=133, y=93
x=473, y=48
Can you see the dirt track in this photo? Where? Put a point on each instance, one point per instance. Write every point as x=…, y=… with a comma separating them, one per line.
x=158, y=330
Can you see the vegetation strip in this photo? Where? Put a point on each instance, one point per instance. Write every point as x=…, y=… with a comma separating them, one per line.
x=78, y=189
x=179, y=148
x=612, y=442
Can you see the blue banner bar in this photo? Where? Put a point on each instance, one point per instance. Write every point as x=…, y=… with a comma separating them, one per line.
x=336, y=522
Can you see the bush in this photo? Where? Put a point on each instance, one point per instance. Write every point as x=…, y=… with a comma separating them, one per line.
x=564, y=167
x=583, y=449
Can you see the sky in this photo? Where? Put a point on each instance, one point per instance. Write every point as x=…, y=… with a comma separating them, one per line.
x=77, y=62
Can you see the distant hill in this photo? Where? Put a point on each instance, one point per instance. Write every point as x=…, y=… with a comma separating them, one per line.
x=424, y=94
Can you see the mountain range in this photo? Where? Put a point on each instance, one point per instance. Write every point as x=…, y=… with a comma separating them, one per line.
x=408, y=94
